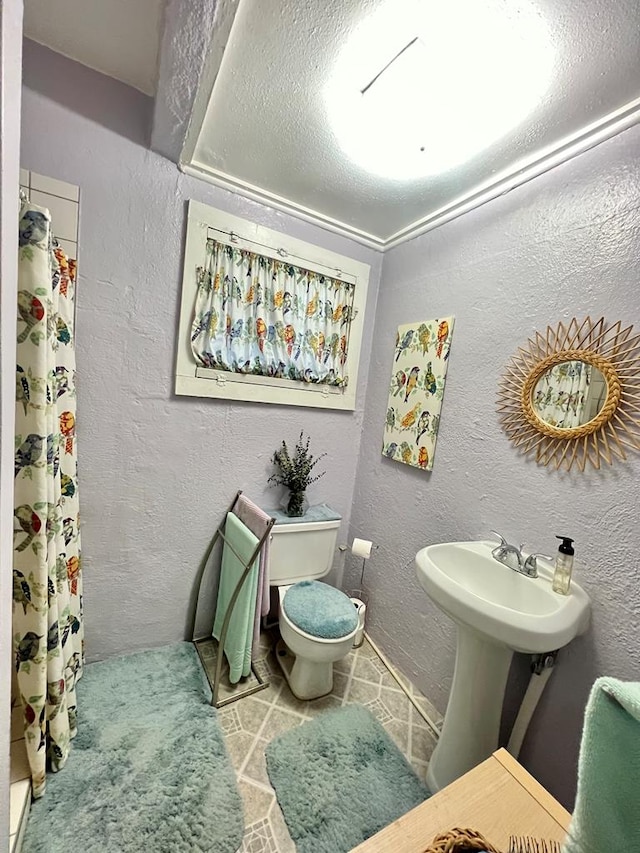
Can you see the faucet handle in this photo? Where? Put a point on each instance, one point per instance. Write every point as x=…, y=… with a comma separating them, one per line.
x=531, y=559
x=503, y=541
x=531, y=563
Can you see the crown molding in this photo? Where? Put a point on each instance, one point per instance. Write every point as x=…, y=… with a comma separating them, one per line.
x=247, y=190
x=524, y=170
x=519, y=173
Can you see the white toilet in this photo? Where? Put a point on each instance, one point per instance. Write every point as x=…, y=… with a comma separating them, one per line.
x=318, y=623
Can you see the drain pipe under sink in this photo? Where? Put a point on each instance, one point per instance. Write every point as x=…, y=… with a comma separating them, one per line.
x=541, y=668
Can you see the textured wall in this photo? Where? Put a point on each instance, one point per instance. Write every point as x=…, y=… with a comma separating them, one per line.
x=564, y=244
x=158, y=471
x=82, y=90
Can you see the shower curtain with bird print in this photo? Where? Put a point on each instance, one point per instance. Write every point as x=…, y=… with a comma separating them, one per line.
x=267, y=317
x=560, y=396
x=47, y=584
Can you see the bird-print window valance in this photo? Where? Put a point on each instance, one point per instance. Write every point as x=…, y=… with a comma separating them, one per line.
x=258, y=315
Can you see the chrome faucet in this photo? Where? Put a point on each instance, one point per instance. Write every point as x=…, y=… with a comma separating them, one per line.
x=511, y=556
x=508, y=555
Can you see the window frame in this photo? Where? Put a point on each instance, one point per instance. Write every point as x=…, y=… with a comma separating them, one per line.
x=193, y=380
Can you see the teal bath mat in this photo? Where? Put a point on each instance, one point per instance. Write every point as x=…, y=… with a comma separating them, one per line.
x=148, y=769
x=339, y=779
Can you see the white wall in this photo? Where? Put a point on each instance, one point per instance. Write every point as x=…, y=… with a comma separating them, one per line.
x=565, y=244
x=10, y=61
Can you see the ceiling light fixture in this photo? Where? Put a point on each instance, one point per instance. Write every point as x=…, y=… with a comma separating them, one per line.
x=421, y=87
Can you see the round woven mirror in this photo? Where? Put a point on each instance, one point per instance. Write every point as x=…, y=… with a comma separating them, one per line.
x=572, y=397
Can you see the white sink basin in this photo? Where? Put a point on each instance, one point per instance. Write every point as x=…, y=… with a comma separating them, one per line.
x=522, y=613
x=497, y=612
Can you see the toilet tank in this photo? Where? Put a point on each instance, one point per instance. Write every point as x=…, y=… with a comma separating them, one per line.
x=302, y=548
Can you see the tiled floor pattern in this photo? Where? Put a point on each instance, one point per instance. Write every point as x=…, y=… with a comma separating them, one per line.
x=251, y=722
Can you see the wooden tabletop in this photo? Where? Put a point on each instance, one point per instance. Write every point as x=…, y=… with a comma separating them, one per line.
x=497, y=798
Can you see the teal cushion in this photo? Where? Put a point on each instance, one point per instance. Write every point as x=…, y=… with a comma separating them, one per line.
x=320, y=610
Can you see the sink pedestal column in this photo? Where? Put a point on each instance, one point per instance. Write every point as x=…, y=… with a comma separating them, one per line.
x=472, y=722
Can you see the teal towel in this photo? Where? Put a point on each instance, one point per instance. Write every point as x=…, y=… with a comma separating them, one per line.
x=237, y=646
x=607, y=812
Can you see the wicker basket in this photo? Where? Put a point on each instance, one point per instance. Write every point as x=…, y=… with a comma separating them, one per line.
x=459, y=840
x=469, y=841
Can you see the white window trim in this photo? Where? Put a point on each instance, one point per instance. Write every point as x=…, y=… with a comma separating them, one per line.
x=194, y=380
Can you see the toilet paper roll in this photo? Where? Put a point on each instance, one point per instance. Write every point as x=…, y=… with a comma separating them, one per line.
x=362, y=548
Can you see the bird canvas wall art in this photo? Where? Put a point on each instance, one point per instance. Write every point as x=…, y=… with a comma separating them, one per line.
x=419, y=368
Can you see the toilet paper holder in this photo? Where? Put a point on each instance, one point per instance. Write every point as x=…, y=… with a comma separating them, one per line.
x=361, y=609
x=364, y=549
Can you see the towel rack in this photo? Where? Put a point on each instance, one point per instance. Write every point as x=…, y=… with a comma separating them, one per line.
x=198, y=643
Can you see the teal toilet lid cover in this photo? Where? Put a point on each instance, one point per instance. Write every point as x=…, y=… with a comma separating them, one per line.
x=320, y=610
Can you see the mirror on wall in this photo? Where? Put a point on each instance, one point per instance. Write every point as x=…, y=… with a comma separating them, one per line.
x=572, y=396
x=569, y=394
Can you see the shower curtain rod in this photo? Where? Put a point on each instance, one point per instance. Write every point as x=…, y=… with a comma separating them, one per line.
x=283, y=253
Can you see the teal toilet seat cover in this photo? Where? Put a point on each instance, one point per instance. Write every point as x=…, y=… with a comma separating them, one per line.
x=320, y=610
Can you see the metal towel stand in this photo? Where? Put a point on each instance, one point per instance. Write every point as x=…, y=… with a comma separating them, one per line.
x=198, y=643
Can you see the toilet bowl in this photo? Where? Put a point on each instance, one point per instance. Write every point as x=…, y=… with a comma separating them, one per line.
x=318, y=623
x=306, y=657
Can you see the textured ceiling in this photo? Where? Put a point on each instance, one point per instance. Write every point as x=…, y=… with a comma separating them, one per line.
x=120, y=38
x=262, y=121
x=267, y=126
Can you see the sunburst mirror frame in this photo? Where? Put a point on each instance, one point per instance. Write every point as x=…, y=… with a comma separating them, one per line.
x=615, y=352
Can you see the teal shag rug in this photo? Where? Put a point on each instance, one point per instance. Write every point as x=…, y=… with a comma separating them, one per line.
x=148, y=769
x=339, y=779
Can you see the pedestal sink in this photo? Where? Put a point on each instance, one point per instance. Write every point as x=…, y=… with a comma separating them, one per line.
x=497, y=611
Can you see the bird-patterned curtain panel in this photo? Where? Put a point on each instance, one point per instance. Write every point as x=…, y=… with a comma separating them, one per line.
x=262, y=316
x=47, y=585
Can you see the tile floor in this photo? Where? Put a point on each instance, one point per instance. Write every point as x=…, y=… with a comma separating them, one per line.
x=251, y=722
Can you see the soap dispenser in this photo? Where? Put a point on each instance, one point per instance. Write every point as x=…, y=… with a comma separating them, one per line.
x=564, y=566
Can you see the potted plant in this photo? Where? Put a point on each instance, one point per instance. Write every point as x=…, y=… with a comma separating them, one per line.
x=295, y=472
